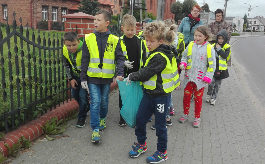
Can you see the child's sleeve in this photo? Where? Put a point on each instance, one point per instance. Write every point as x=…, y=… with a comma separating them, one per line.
x=119, y=59
x=67, y=68
x=84, y=62
x=181, y=49
x=222, y=53
x=210, y=74
x=156, y=65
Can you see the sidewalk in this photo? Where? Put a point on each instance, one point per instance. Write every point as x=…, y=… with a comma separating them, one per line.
x=231, y=132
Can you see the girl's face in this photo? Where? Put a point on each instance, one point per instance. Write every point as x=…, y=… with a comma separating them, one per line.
x=199, y=38
x=152, y=43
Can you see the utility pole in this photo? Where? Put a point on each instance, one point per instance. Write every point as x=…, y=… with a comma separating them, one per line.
x=145, y=9
x=122, y=6
x=160, y=10
x=225, y=7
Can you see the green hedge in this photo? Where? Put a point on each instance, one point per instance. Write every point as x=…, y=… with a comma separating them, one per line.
x=235, y=34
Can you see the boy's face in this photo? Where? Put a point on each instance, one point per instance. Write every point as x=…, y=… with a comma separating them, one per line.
x=218, y=17
x=72, y=46
x=153, y=43
x=100, y=23
x=220, y=40
x=199, y=37
x=129, y=31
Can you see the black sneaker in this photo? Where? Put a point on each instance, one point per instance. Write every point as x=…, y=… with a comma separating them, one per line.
x=169, y=123
x=122, y=122
x=80, y=123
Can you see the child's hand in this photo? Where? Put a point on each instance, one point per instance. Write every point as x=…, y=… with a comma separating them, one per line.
x=217, y=45
x=120, y=78
x=73, y=83
x=84, y=85
x=127, y=80
x=183, y=65
x=128, y=64
x=206, y=80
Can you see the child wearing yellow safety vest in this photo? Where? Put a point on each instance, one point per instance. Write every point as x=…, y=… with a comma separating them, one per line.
x=223, y=54
x=198, y=61
x=160, y=78
x=134, y=50
x=102, y=57
x=72, y=55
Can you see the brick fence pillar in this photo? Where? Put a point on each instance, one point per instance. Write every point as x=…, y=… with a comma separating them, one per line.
x=138, y=27
x=81, y=23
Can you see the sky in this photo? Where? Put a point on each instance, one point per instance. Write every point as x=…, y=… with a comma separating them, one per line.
x=237, y=7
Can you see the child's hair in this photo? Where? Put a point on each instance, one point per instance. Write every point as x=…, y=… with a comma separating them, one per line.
x=205, y=31
x=105, y=13
x=155, y=29
x=170, y=34
x=70, y=36
x=169, y=22
x=129, y=20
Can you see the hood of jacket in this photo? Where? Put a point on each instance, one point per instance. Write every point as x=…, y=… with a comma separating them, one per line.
x=165, y=49
x=224, y=34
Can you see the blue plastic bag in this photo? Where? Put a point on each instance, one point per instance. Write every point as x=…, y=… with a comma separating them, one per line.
x=131, y=96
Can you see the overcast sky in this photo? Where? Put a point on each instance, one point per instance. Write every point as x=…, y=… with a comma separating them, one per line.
x=237, y=7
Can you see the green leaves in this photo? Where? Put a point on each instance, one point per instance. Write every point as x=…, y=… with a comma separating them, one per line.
x=54, y=127
x=89, y=6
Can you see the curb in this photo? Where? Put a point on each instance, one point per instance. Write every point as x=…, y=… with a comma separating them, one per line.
x=33, y=130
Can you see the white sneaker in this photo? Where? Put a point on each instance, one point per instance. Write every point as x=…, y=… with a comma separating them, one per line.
x=208, y=98
x=213, y=101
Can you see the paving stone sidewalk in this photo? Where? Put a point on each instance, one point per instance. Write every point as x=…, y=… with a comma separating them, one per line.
x=231, y=132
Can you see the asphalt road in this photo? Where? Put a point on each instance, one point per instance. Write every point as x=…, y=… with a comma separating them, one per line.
x=249, y=54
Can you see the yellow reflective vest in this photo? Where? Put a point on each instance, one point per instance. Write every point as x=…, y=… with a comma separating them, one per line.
x=108, y=65
x=222, y=61
x=209, y=57
x=170, y=76
x=76, y=69
x=124, y=50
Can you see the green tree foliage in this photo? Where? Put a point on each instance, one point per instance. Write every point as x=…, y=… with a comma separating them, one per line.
x=151, y=15
x=176, y=8
x=205, y=7
x=246, y=20
x=89, y=6
x=187, y=6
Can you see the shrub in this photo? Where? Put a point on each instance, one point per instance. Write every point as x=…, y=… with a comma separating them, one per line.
x=42, y=25
x=235, y=34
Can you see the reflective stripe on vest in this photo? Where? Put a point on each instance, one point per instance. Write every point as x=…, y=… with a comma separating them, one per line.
x=108, y=64
x=78, y=60
x=222, y=61
x=124, y=50
x=209, y=56
x=170, y=76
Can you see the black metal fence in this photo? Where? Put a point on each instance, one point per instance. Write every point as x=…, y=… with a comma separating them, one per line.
x=32, y=77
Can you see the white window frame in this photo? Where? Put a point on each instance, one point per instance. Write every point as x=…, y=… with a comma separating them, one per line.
x=5, y=11
x=54, y=14
x=44, y=13
x=64, y=12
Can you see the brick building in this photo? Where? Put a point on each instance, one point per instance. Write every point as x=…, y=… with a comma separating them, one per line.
x=33, y=11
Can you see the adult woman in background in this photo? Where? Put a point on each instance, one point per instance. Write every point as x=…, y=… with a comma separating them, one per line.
x=189, y=23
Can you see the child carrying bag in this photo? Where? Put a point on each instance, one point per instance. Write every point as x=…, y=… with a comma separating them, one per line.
x=131, y=96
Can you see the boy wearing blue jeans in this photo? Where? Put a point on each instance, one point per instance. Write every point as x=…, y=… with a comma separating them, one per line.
x=101, y=56
x=160, y=78
x=72, y=55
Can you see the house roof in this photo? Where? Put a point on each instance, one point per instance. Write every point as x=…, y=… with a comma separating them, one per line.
x=261, y=19
x=101, y=2
x=79, y=15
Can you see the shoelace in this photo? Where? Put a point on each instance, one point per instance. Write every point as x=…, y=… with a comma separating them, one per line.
x=136, y=147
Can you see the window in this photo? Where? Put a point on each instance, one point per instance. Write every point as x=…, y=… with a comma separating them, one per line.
x=54, y=14
x=254, y=22
x=44, y=13
x=5, y=11
x=64, y=12
x=250, y=22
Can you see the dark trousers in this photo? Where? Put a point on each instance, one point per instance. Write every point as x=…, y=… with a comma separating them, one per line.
x=148, y=107
x=214, y=87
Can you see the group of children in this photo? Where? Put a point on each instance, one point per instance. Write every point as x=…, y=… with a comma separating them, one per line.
x=155, y=60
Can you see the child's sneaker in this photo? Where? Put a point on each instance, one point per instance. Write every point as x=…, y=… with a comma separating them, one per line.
x=157, y=157
x=137, y=150
x=208, y=98
x=122, y=122
x=213, y=101
x=102, y=124
x=197, y=122
x=153, y=127
x=95, y=136
x=81, y=123
x=172, y=111
x=169, y=123
x=184, y=117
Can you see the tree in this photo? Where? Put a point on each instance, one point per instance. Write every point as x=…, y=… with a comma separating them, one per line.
x=246, y=20
x=176, y=8
x=206, y=7
x=151, y=15
x=187, y=6
x=89, y=6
